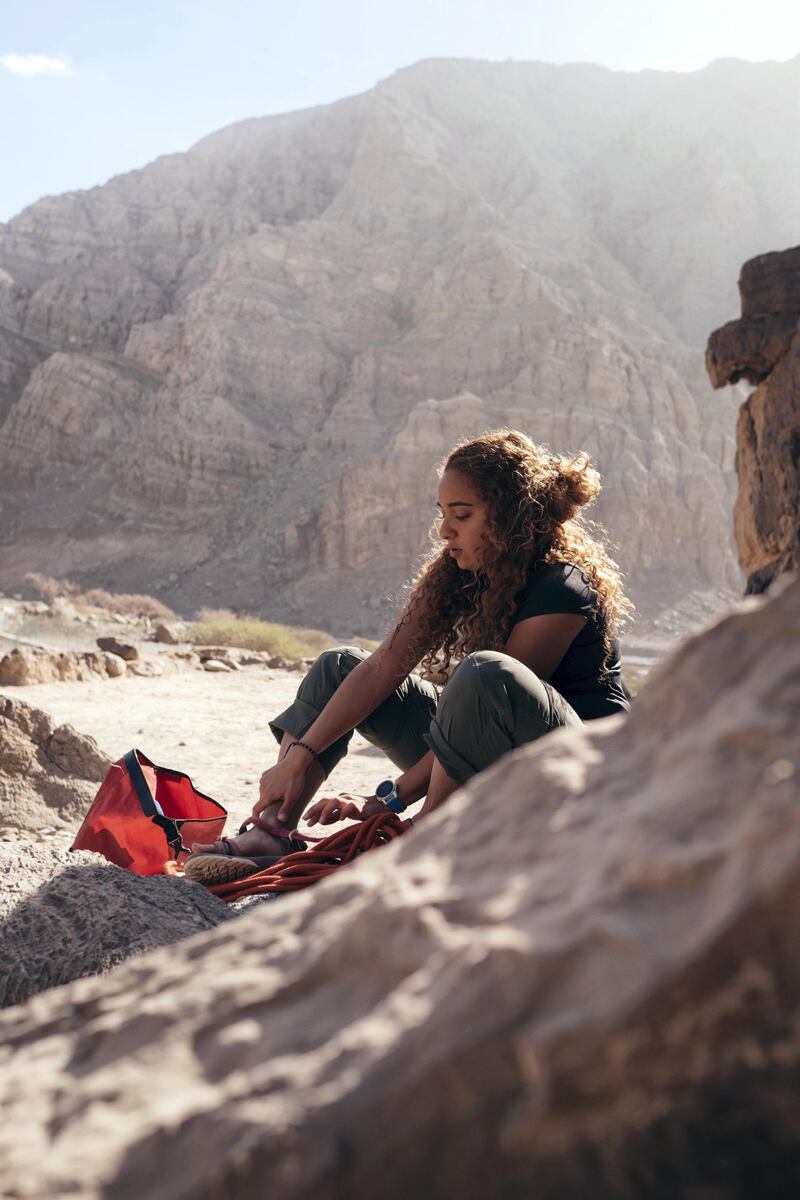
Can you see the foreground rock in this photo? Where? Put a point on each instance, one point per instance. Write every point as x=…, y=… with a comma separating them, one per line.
x=67, y=915
x=764, y=348
x=578, y=979
x=48, y=775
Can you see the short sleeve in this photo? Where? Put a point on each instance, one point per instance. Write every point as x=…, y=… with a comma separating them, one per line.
x=558, y=588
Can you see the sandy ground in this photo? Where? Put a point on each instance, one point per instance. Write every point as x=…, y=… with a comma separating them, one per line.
x=212, y=726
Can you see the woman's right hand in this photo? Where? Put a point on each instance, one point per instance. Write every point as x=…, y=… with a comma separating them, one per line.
x=331, y=809
x=282, y=784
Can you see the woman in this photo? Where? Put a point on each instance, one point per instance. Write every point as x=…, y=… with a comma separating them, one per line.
x=521, y=596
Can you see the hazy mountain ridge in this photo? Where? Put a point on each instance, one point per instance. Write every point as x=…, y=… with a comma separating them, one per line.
x=262, y=344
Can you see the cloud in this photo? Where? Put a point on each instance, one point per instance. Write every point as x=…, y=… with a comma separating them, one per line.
x=35, y=64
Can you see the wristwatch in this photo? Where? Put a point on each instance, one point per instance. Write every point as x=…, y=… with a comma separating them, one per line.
x=387, y=792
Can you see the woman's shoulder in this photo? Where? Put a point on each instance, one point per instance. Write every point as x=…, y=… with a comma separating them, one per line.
x=558, y=586
x=571, y=574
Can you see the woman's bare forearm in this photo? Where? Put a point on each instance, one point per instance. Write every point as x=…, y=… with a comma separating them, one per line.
x=413, y=784
x=358, y=695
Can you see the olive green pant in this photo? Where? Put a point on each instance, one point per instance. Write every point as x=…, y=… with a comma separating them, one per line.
x=490, y=704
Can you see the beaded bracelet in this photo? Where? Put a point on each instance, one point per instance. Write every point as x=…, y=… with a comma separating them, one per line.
x=305, y=746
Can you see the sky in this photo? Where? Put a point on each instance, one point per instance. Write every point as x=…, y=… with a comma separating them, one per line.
x=92, y=88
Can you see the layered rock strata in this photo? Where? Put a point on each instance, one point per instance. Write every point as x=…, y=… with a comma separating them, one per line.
x=763, y=347
x=580, y=979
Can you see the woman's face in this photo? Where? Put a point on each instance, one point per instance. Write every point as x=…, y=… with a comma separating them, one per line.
x=463, y=519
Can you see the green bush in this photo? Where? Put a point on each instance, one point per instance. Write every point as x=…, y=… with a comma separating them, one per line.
x=248, y=633
x=219, y=627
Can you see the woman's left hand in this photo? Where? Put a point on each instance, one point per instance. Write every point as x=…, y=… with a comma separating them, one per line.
x=372, y=807
x=343, y=807
x=331, y=809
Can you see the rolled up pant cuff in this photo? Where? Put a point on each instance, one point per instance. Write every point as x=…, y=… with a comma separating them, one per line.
x=453, y=764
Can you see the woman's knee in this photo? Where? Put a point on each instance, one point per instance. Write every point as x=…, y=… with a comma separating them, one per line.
x=486, y=673
x=331, y=667
x=489, y=688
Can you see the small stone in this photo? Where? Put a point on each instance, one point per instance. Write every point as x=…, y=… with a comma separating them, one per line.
x=216, y=664
x=146, y=667
x=123, y=649
x=222, y=652
x=114, y=665
x=779, y=771
x=167, y=634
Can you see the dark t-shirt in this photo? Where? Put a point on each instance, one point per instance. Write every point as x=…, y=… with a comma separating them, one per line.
x=562, y=587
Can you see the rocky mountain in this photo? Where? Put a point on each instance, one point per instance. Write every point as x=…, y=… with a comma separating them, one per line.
x=226, y=378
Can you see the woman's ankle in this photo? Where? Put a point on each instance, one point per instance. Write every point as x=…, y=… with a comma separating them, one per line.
x=270, y=817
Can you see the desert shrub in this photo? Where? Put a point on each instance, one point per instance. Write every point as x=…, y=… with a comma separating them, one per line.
x=50, y=589
x=121, y=602
x=221, y=628
x=129, y=603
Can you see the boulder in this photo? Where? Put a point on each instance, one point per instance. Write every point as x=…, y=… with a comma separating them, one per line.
x=764, y=347
x=277, y=662
x=65, y=915
x=26, y=665
x=749, y=348
x=253, y=658
x=223, y=653
x=48, y=775
x=114, y=665
x=770, y=283
x=169, y=635
x=123, y=649
x=149, y=667
x=578, y=978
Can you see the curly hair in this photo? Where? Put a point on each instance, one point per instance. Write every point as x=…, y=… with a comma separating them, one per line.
x=533, y=499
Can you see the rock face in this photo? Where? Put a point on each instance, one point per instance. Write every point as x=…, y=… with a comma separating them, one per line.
x=226, y=378
x=579, y=981
x=764, y=348
x=48, y=775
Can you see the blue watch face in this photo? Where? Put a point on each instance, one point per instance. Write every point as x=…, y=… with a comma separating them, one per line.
x=384, y=789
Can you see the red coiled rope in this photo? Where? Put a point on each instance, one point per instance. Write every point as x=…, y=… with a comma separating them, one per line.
x=301, y=869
